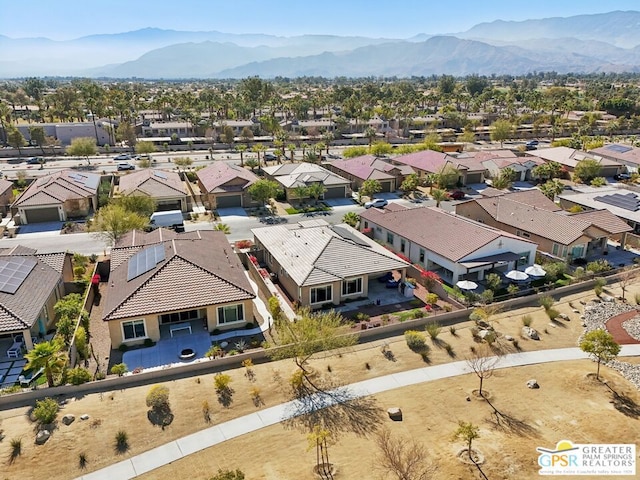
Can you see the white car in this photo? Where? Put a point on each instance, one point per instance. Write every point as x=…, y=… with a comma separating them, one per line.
x=378, y=203
x=123, y=156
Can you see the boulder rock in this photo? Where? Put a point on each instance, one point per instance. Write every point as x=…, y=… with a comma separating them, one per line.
x=508, y=338
x=563, y=316
x=84, y=417
x=483, y=324
x=533, y=383
x=395, y=414
x=42, y=437
x=68, y=419
x=531, y=333
x=607, y=298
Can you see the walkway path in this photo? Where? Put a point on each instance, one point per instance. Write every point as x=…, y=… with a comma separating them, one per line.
x=180, y=448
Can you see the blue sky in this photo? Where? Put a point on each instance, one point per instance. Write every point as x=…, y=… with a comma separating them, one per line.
x=67, y=19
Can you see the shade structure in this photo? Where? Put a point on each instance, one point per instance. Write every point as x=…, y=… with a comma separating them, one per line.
x=517, y=275
x=466, y=285
x=535, y=270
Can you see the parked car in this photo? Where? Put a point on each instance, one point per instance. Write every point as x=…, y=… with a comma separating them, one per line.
x=457, y=195
x=378, y=203
x=270, y=157
x=532, y=145
x=123, y=156
x=125, y=166
x=35, y=160
x=622, y=177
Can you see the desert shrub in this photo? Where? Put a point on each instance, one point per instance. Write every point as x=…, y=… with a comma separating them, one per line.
x=228, y=475
x=475, y=316
x=46, y=410
x=158, y=398
x=119, y=369
x=431, y=298
x=206, y=411
x=555, y=270
x=416, y=341
x=578, y=273
x=552, y=313
x=447, y=307
x=221, y=382
x=78, y=376
x=81, y=343
x=384, y=318
x=82, y=460
x=79, y=271
x=148, y=343
x=16, y=449
x=598, y=266
x=362, y=317
x=636, y=298
x=449, y=349
x=452, y=331
x=122, y=441
x=433, y=329
x=214, y=351
x=546, y=302
x=123, y=347
x=526, y=320
x=417, y=313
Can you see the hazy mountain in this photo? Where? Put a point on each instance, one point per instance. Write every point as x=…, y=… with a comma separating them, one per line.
x=583, y=43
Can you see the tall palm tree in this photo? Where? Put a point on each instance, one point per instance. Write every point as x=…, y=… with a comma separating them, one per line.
x=241, y=149
x=49, y=356
x=439, y=196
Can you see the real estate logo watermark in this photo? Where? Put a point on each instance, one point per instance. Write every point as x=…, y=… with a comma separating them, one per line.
x=587, y=459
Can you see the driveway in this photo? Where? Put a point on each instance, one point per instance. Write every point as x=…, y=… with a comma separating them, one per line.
x=340, y=202
x=232, y=212
x=44, y=227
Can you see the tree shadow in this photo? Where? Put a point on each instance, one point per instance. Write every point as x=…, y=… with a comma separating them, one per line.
x=225, y=396
x=510, y=424
x=388, y=354
x=160, y=417
x=623, y=403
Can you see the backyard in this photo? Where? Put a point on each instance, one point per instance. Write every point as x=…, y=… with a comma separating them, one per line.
x=283, y=454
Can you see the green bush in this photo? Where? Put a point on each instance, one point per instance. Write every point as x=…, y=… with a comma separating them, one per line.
x=598, y=266
x=148, y=343
x=78, y=376
x=46, y=410
x=119, y=369
x=123, y=347
x=416, y=341
x=417, y=313
x=158, y=398
x=433, y=329
x=526, y=320
x=552, y=313
x=221, y=382
x=547, y=302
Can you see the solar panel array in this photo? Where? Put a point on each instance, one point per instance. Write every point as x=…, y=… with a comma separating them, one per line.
x=89, y=181
x=628, y=201
x=13, y=272
x=347, y=235
x=144, y=261
x=160, y=174
x=618, y=148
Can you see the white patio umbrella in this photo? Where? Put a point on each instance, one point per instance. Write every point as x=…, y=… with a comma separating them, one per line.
x=535, y=270
x=517, y=275
x=466, y=285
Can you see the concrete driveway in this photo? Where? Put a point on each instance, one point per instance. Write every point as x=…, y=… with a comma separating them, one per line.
x=232, y=212
x=340, y=202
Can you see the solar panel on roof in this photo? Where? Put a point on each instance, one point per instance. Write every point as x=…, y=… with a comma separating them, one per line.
x=347, y=235
x=160, y=174
x=13, y=272
x=618, y=148
x=629, y=201
x=144, y=261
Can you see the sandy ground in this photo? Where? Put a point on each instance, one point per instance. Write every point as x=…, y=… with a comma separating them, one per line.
x=567, y=406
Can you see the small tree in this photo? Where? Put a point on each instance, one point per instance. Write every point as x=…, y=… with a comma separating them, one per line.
x=145, y=148
x=182, y=162
x=483, y=364
x=439, y=196
x=140, y=204
x=263, y=190
x=493, y=281
x=369, y=188
x=320, y=439
x=113, y=221
x=46, y=410
x=586, y=170
x=601, y=346
x=83, y=147
x=47, y=355
x=627, y=277
x=119, y=369
x=501, y=130
x=467, y=432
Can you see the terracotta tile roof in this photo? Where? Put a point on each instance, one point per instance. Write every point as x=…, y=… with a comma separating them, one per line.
x=58, y=188
x=617, y=151
x=20, y=310
x=5, y=185
x=446, y=234
x=314, y=253
x=196, y=272
x=215, y=176
x=604, y=220
x=368, y=167
x=533, y=197
x=54, y=260
x=291, y=175
x=154, y=183
x=426, y=160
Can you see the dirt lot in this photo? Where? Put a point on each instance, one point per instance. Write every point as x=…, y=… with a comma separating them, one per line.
x=568, y=405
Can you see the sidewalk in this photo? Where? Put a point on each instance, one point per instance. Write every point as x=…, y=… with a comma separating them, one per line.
x=180, y=448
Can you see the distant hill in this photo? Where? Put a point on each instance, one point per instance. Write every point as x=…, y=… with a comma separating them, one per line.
x=608, y=42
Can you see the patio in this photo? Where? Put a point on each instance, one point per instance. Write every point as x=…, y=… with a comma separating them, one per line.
x=378, y=292
x=10, y=368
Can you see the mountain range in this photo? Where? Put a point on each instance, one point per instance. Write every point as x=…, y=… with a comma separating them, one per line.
x=608, y=42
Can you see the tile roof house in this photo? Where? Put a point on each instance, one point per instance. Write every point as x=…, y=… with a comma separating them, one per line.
x=6, y=195
x=292, y=175
x=453, y=246
x=495, y=161
x=165, y=187
x=569, y=158
x=624, y=154
x=58, y=197
x=425, y=162
x=223, y=185
x=369, y=167
x=161, y=279
x=529, y=214
x=30, y=285
x=319, y=264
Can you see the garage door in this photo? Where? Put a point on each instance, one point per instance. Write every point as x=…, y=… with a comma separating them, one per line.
x=474, y=178
x=229, y=201
x=167, y=206
x=42, y=215
x=334, y=192
x=386, y=186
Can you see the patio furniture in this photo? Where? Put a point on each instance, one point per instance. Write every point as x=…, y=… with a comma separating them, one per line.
x=14, y=350
x=176, y=327
x=25, y=380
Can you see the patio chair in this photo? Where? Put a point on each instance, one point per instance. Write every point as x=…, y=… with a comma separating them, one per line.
x=25, y=380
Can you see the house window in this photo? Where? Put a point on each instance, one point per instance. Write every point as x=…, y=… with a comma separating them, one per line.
x=352, y=286
x=522, y=234
x=390, y=238
x=133, y=330
x=366, y=224
x=421, y=259
x=321, y=294
x=403, y=245
x=178, y=317
x=577, y=251
x=559, y=250
x=524, y=259
x=231, y=314
x=378, y=229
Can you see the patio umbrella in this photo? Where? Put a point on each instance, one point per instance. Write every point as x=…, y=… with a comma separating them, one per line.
x=466, y=285
x=517, y=275
x=535, y=270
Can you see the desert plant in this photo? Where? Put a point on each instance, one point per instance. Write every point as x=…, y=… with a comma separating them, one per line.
x=78, y=376
x=431, y=298
x=601, y=345
x=16, y=449
x=158, y=398
x=119, y=369
x=256, y=398
x=598, y=286
x=416, y=341
x=433, y=329
x=206, y=411
x=546, y=302
x=467, y=432
x=241, y=345
x=221, y=382
x=214, y=351
x=452, y=331
x=82, y=460
x=384, y=318
x=552, y=313
x=636, y=298
x=417, y=313
x=449, y=349
x=122, y=441
x=526, y=320
x=46, y=410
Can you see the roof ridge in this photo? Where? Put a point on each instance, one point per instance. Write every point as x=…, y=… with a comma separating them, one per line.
x=200, y=267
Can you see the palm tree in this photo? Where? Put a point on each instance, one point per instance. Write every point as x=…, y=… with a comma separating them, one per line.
x=351, y=219
x=222, y=227
x=292, y=151
x=49, y=356
x=259, y=148
x=439, y=196
x=241, y=149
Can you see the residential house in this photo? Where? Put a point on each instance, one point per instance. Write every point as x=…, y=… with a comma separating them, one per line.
x=292, y=175
x=6, y=195
x=162, y=278
x=223, y=185
x=624, y=154
x=425, y=162
x=318, y=264
x=494, y=162
x=570, y=157
x=531, y=215
x=165, y=187
x=30, y=285
x=453, y=246
x=369, y=167
x=58, y=197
